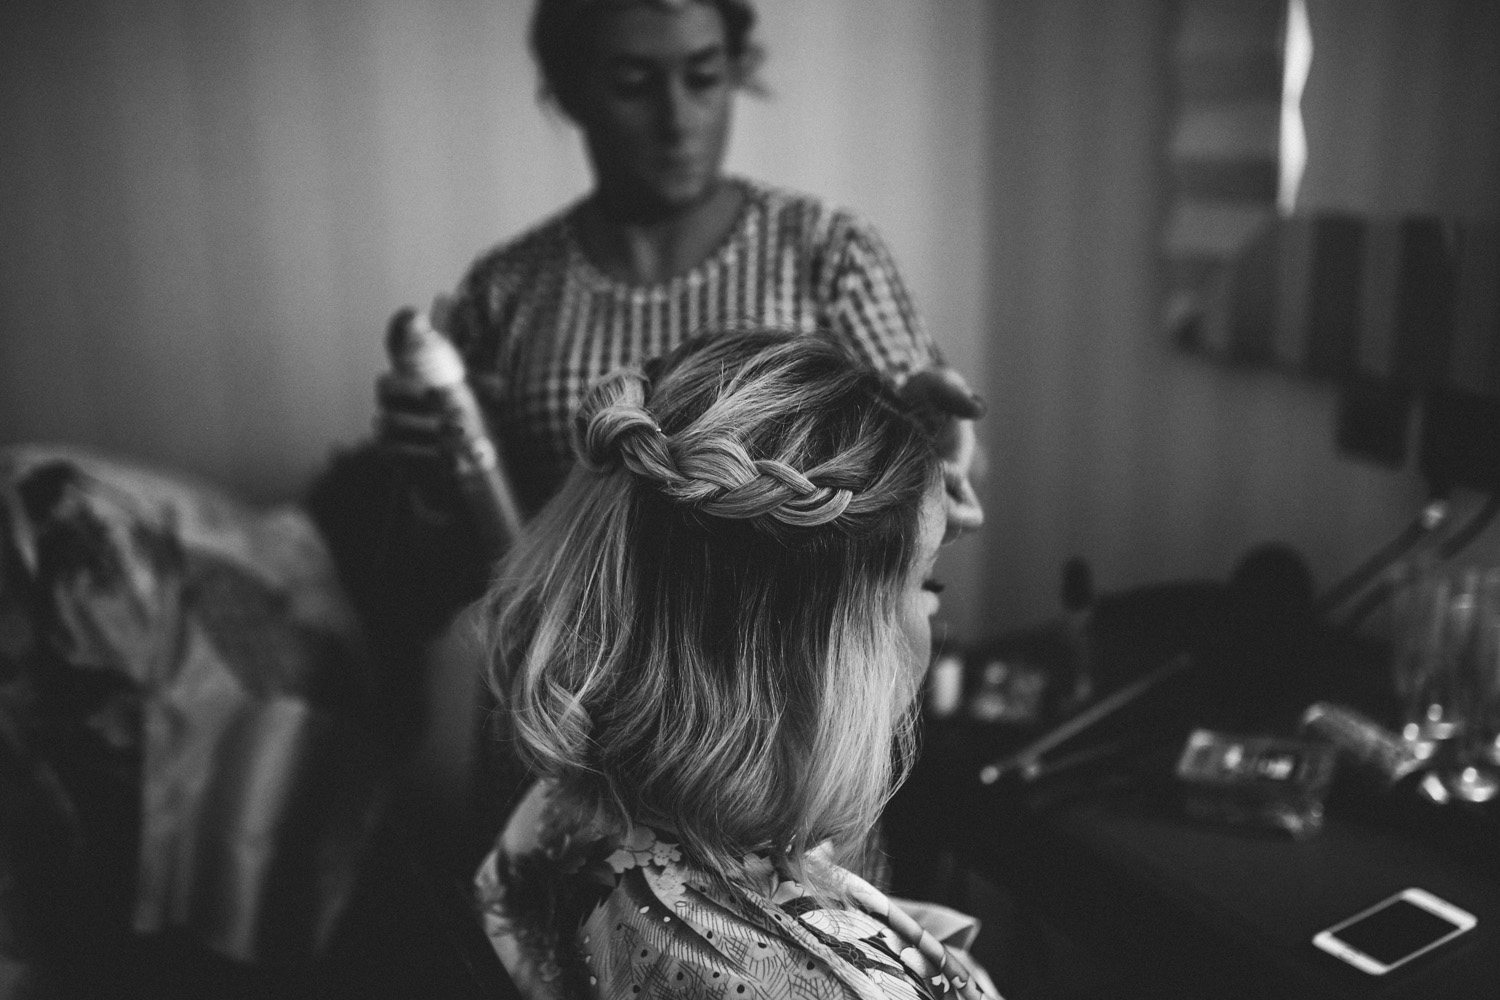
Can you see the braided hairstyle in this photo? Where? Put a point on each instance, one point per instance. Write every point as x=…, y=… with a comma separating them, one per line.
x=699, y=632
x=725, y=452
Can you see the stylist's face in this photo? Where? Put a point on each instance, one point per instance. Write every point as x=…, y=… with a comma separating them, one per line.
x=655, y=104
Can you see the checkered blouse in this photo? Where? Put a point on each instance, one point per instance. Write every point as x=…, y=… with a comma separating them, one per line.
x=537, y=322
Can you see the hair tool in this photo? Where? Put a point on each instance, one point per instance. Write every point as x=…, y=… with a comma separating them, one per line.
x=1444, y=550
x=1458, y=448
x=1150, y=637
x=1028, y=765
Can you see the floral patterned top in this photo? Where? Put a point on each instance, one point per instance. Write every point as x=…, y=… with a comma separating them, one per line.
x=573, y=911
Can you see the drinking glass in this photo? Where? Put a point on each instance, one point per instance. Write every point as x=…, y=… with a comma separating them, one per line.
x=1477, y=760
x=1425, y=629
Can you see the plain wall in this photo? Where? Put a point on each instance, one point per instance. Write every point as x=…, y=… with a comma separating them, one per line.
x=209, y=211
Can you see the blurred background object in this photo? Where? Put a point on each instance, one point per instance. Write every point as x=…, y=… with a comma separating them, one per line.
x=188, y=733
x=212, y=212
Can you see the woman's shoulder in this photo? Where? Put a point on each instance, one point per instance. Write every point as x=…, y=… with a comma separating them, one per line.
x=816, y=223
x=518, y=258
x=574, y=913
x=555, y=842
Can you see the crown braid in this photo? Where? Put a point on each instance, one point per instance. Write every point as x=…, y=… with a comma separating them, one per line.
x=713, y=474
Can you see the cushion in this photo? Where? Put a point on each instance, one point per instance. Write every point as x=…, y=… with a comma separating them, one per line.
x=184, y=709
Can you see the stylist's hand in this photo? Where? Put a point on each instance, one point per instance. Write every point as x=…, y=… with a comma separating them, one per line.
x=943, y=392
x=408, y=422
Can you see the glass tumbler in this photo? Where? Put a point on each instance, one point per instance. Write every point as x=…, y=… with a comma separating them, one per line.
x=1425, y=634
x=1477, y=761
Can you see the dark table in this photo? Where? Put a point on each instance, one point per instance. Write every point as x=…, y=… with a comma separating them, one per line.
x=1196, y=907
x=1167, y=906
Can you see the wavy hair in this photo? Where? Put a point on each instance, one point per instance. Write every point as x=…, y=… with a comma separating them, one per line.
x=699, y=632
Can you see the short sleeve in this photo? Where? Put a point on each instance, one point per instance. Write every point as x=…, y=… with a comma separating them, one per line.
x=477, y=320
x=499, y=289
x=464, y=321
x=869, y=302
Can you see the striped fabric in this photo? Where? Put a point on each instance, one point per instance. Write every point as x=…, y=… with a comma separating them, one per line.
x=538, y=322
x=1413, y=301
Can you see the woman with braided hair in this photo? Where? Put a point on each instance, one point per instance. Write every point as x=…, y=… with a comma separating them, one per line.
x=664, y=245
x=708, y=647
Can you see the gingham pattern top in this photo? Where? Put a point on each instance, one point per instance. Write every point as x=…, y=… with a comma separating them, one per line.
x=538, y=322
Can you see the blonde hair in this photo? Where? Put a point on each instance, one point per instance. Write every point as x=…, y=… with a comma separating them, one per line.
x=698, y=633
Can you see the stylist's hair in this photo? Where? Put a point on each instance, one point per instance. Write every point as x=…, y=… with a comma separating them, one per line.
x=699, y=632
x=560, y=41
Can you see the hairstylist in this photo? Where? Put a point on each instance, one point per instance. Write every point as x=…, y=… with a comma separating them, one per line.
x=663, y=246
x=666, y=244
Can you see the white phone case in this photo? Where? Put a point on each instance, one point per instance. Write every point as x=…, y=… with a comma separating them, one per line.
x=1330, y=941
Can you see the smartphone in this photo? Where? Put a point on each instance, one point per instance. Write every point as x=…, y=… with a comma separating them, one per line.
x=1394, y=931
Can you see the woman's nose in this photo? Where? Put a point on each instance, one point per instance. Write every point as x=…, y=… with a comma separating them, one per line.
x=677, y=108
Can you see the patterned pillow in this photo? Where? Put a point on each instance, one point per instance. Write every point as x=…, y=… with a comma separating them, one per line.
x=183, y=705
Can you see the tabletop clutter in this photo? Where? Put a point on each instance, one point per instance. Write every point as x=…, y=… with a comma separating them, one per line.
x=1441, y=745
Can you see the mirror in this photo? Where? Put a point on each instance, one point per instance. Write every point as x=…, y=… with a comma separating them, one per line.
x=1335, y=170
